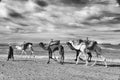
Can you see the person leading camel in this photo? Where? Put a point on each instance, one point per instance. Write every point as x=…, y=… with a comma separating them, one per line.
x=10, y=53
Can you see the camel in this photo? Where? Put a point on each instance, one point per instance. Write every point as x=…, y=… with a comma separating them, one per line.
x=24, y=47
x=78, y=50
x=52, y=48
x=84, y=48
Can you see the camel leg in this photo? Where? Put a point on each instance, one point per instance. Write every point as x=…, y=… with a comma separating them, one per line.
x=62, y=58
x=61, y=53
x=32, y=51
x=54, y=56
x=31, y=54
x=25, y=53
x=77, y=53
x=50, y=56
x=89, y=56
x=22, y=52
x=98, y=52
x=95, y=59
x=78, y=57
x=104, y=60
x=94, y=62
x=86, y=59
x=48, y=60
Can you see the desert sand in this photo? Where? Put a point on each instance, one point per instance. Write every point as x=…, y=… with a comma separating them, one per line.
x=25, y=68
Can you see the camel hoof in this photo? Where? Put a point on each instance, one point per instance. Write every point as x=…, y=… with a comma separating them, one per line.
x=81, y=59
x=92, y=65
x=86, y=64
x=76, y=63
x=75, y=60
x=106, y=66
x=89, y=60
x=61, y=63
x=48, y=62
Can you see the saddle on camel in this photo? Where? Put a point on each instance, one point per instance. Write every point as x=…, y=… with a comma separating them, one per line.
x=90, y=44
x=54, y=42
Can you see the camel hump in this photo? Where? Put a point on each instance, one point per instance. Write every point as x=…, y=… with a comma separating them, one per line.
x=80, y=40
x=92, y=44
x=28, y=44
x=55, y=42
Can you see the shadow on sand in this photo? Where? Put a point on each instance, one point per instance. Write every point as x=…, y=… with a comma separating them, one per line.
x=98, y=64
x=110, y=65
x=82, y=63
x=114, y=65
x=65, y=63
x=23, y=60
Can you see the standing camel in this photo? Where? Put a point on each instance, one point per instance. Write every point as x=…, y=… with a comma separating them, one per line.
x=78, y=50
x=52, y=48
x=24, y=47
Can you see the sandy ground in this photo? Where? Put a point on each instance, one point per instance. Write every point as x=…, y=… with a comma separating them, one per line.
x=37, y=69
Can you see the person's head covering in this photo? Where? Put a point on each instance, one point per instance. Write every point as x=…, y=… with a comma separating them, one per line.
x=51, y=39
x=9, y=44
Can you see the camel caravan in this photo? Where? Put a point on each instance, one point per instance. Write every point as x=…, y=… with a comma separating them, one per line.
x=82, y=47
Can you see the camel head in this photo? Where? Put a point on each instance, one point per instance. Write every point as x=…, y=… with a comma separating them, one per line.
x=43, y=45
x=69, y=43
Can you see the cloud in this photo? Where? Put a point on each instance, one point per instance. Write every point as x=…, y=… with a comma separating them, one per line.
x=3, y=10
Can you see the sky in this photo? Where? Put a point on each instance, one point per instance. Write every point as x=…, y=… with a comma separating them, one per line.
x=37, y=21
